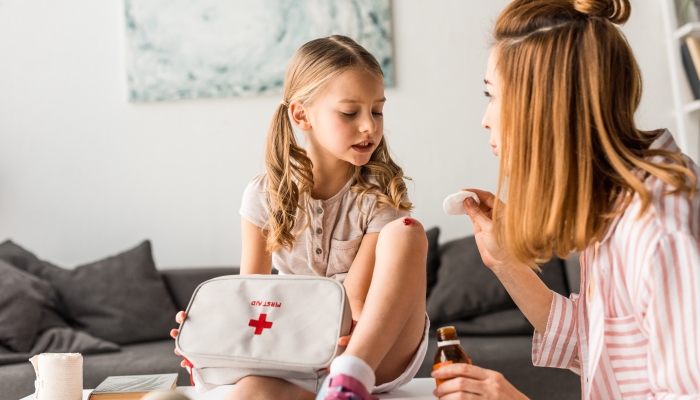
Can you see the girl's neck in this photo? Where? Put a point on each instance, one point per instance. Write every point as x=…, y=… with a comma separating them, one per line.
x=329, y=176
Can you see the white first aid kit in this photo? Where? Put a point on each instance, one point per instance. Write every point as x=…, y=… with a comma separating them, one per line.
x=278, y=326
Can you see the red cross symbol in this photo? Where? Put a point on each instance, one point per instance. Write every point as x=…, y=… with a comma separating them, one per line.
x=260, y=324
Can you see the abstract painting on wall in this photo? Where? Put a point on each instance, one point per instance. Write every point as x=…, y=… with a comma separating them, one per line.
x=187, y=49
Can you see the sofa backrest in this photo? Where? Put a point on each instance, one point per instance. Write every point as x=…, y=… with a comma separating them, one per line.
x=181, y=283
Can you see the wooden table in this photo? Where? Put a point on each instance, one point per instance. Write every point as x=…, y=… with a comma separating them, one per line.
x=417, y=389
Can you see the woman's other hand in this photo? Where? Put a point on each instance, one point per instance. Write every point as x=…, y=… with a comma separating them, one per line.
x=465, y=381
x=482, y=217
x=179, y=317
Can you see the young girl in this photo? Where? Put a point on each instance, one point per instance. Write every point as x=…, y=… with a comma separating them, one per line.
x=339, y=209
x=564, y=87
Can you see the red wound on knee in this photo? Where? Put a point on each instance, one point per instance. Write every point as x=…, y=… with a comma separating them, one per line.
x=408, y=222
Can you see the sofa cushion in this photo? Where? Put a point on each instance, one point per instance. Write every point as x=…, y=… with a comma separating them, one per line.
x=433, y=262
x=23, y=259
x=59, y=340
x=467, y=288
x=23, y=298
x=181, y=283
x=121, y=299
x=497, y=323
x=573, y=272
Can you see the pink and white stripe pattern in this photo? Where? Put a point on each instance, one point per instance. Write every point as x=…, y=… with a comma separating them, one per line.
x=633, y=331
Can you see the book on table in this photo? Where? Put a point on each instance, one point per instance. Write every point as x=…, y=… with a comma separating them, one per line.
x=130, y=387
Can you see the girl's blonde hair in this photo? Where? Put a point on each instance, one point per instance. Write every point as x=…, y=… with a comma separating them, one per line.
x=572, y=157
x=289, y=169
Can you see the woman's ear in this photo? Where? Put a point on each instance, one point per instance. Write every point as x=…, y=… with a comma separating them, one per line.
x=298, y=115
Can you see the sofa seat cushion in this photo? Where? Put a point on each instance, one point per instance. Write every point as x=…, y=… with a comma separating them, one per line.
x=135, y=359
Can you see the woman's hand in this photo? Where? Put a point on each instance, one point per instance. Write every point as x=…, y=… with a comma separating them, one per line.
x=482, y=217
x=465, y=381
x=179, y=317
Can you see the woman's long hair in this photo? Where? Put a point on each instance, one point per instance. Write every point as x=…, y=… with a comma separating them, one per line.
x=572, y=157
x=289, y=169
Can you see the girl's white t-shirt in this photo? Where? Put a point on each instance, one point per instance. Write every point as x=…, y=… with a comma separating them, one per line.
x=329, y=245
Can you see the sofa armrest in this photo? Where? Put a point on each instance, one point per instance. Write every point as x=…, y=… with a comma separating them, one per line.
x=181, y=283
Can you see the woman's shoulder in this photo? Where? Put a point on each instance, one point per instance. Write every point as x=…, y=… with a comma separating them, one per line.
x=667, y=215
x=669, y=212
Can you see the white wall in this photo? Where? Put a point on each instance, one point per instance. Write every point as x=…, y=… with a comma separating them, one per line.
x=84, y=173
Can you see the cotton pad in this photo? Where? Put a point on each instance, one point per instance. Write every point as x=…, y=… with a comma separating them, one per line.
x=453, y=203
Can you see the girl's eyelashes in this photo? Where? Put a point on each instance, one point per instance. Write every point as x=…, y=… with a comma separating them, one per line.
x=486, y=93
x=352, y=114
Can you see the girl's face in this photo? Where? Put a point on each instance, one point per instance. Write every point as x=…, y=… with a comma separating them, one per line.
x=492, y=117
x=345, y=121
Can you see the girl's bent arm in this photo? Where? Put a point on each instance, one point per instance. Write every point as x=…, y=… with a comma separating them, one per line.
x=255, y=259
x=360, y=275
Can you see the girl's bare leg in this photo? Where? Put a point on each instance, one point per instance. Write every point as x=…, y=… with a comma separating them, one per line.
x=392, y=323
x=264, y=388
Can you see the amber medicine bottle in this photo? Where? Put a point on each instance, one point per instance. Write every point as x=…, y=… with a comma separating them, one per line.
x=449, y=350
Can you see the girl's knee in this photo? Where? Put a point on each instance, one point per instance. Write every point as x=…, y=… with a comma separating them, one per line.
x=406, y=229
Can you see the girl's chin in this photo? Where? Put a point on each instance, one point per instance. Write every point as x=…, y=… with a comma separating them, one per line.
x=359, y=161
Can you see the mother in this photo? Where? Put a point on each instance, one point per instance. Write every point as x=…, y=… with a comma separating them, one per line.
x=579, y=176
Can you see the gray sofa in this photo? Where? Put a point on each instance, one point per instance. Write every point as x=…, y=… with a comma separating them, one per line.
x=507, y=353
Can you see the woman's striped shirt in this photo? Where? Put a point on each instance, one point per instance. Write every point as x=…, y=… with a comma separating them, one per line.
x=633, y=331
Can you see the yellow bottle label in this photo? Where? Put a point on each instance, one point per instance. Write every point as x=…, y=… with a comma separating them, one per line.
x=437, y=366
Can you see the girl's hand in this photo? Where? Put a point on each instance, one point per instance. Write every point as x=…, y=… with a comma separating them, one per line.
x=179, y=317
x=465, y=381
x=482, y=217
x=343, y=341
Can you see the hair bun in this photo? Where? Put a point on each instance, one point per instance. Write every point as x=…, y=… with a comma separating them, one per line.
x=616, y=11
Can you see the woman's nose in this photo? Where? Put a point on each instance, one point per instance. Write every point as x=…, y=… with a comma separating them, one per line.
x=485, y=122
